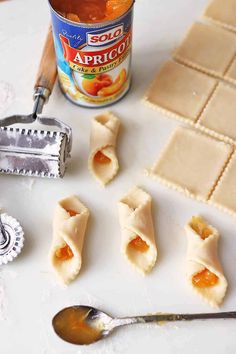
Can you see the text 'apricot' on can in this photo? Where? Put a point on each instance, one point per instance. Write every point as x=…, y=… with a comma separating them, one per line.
x=94, y=60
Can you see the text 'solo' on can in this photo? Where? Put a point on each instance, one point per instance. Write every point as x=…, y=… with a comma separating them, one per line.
x=93, y=56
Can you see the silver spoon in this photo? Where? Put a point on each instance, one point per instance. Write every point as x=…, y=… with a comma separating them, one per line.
x=86, y=325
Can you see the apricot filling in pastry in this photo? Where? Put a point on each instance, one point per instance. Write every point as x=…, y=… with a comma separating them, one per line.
x=64, y=253
x=101, y=158
x=72, y=212
x=138, y=242
x=204, y=278
x=198, y=225
x=139, y=245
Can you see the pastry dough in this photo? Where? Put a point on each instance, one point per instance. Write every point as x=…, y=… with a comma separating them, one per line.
x=68, y=232
x=222, y=13
x=224, y=195
x=104, y=133
x=192, y=163
x=207, y=48
x=202, y=255
x=231, y=73
x=218, y=117
x=180, y=92
x=136, y=224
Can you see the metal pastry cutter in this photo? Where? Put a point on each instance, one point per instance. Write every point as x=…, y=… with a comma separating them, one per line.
x=11, y=238
x=32, y=152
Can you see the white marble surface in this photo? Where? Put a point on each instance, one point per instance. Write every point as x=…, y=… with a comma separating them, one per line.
x=29, y=293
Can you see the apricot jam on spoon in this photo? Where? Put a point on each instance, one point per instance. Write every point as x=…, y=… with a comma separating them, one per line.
x=87, y=325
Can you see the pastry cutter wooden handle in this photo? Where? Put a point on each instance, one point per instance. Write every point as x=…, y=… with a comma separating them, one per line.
x=37, y=152
x=47, y=72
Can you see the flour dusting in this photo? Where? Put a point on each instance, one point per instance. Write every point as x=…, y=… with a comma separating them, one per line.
x=3, y=304
x=28, y=183
x=5, y=274
x=6, y=96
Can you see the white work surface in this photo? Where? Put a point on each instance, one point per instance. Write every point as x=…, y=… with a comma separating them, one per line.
x=29, y=292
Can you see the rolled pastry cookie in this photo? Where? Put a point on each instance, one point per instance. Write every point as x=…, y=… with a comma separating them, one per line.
x=69, y=226
x=204, y=271
x=103, y=163
x=137, y=230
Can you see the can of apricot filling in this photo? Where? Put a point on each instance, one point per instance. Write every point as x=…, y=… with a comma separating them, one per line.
x=93, y=59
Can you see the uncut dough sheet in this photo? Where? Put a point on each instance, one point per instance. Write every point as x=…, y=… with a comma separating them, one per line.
x=135, y=217
x=218, y=117
x=69, y=231
x=207, y=48
x=104, y=131
x=203, y=254
x=191, y=163
x=222, y=13
x=180, y=92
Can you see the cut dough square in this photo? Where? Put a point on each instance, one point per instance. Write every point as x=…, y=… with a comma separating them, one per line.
x=191, y=163
x=180, y=92
x=208, y=48
x=224, y=195
x=138, y=236
x=222, y=12
x=231, y=73
x=219, y=115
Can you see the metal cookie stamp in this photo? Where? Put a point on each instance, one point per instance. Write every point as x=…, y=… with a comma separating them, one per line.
x=11, y=238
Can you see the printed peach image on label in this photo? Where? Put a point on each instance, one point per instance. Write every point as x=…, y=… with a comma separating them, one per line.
x=93, y=59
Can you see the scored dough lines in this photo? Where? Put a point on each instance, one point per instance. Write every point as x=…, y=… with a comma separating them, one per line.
x=224, y=195
x=180, y=91
x=220, y=176
x=221, y=104
x=209, y=49
x=221, y=13
x=189, y=151
x=206, y=48
x=172, y=94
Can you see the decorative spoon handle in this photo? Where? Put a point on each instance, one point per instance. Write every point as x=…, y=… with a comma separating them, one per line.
x=189, y=317
x=172, y=318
